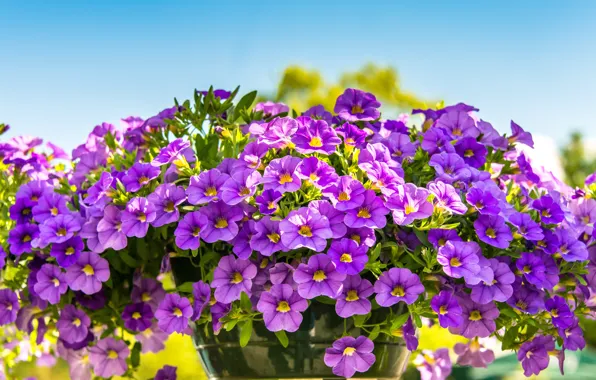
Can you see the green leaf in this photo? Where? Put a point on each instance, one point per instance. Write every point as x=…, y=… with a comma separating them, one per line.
x=135, y=356
x=374, y=333
x=509, y=337
x=245, y=302
x=417, y=320
x=185, y=288
x=282, y=337
x=399, y=321
x=245, y=332
x=325, y=300
x=360, y=319
x=129, y=260
x=142, y=250
x=244, y=103
x=376, y=252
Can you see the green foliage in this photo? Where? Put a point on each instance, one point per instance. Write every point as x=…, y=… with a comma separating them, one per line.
x=576, y=165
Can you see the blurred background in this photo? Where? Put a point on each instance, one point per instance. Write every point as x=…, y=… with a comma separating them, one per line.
x=66, y=66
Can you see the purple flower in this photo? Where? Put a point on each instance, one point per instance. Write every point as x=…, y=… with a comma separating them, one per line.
x=526, y=227
x=68, y=252
x=461, y=259
x=21, y=211
x=371, y=213
x=218, y=311
x=382, y=176
x=9, y=306
x=32, y=190
x=473, y=354
x=317, y=172
x=435, y=140
x=478, y=320
x=500, y=289
x=20, y=238
x=165, y=200
x=483, y=201
x=400, y=146
x=362, y=236
x=447, y=198
x=318, y=112
x=241, y=243
x=439, y=237
x=201, y=292
x=336, y=218
x=206, y=187
x=137, y=316
x=267, y=239
x=136, y=217
x=282, y=273
x=408, y=333
x=267, y=201
x=109, y=229
x=377, y=152
x=149, y=291
x=88, y=273
x=520, y=136
x=281, y=175
x=346, y=194
x=532, y=268
x=533, y=354
x=561, y=314
x=152, y=339
x=409, y=203
x=139, y=175
x=189, y=229
x=51, y=283
x=167, y=372
x=550, y=243
x=434, y=365
x=458, y=124
x=271, y=109
x=178, y=152
x=221, y=222
x=348, y=256
x=315, y=136
x=448, y=310
x=352, y=135
x=493, y=230
x=397, y=284
x=491, y=137
x=231, y=277
x=526, y=299
x=549, y=210
x=354, y=105
x=100, y=191
x=278, y=133
x=570, y=248
x=281, y=307
x=349, y=355
x=73, y=324
x=305, y=227
x=240, y=186
x=353, y=298
x=253, y=153
x=173, y=313
x=473, y=153
x=573, y=337
x=450, y=167
x=58, y=229
x=108, y=357
x=2, y=257
x=318, y=278
x=49, y=205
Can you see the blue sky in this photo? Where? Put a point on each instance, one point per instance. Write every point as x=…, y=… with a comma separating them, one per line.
x=66, y=66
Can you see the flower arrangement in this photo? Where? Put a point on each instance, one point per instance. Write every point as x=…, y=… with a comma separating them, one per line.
x=447, y=222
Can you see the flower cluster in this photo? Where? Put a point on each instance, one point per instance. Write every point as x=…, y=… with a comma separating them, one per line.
x=448, y=221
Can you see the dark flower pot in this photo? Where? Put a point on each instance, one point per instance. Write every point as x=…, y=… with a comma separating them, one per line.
x=265, y=358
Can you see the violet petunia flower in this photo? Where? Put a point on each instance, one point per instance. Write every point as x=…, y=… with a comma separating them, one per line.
x=9, y=306
x=357, y=105
x=280, y=175
x=493, y=230
x=448, y=310
x=167, y=372
x=58, y=229
x=518, y=135
x=231, y=277
x=533, y=354
x=108, y=357
x=88, y=273
x=371, y=213
x=278, y=133
x=270, y=108
x=178, y=152
x=109, y=229
x=532, y=268
x=353, y=299
x=550, y=211
x=457, y=124
x=206, y=187
x=252, y=154
x=73, y=324
x=573, y=337
x=318, y=112
x=435, y=140
x=139, y=175
x=383, y=177
x=137, y=316
x=149, y=291
x=478, y=320
x=20, y=238
x=377, y=152
x=68, y=252
x=49, y=205
x=282, y=273
x=336, y=217
x=188, y=231
x=439, y=237
x=346, y=194
x=409, y=203
x=483, y=201
x=362, y=236
x=314, y=136
x=408, y=333
x=349, y=355
x=348, y=256
x=473, y=354
x=397, y=284
x=400, y=146
x=500, y=289
x=281, y=307
x=21, y=211
x=473, y=153
x=570, y=248
x=447, y=198
x=221, y=222
x=352, y=135
x=461, y=259
x=318, y=277
x=561, y=314
x=319, y=173
x=201, y=293
x=526, y=227
x=268, y=200
x=241, y=243
x=305, y=227
x=267, y=239
x=173, y=313
x=51, y=283
x=241, y=185
x=136, y=217
x=166, y=198
x=450, y=167
x=526, y=299
x=434, y=365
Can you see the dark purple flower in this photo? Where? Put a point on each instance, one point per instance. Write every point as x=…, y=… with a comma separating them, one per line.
x=434, y=365
x=201, y=292
x=2, y=257
x=561, y=314
x=282, y=273
x=137, y=316
x=317, y=172
x=408, y=333
x=532, y=268
x=478, y=320
x=188, y=231
x=491, y=137
x=166, y=198
x=518, y=135
x=305, y=227
x=352, y=135
x=473, y=153
x=281, y=307
x=526, y=299
x=371, y=213
x=73, y=324
x=400, y=146
x=49, y=205
x=267, y=239
x=241, y=185
x=483, y=201
x=173, y=313
x=280, y=175
x=349, y=355
x=533, y=354
x=409, y=203
x=356, y=105
x=88, y=273
x=435, y=140
x=58, y=229
x=68, y=252
x=500, y=289
x=149, y=291
x=167, y=372
x=108, y=357
x=573, y=337
x=100, y=191
x=570, y=248
x=526, y=227
x=439, y=237
x=458, y=124
x=353, y=298
x=21, y=211
x=318, y=112
x=336, y=218
x=139, y=175
x=314, y=136
x=318, y=278
x=218, y=311
x=493, y=230
x=221, y=222
x=362, y=236
x=398, y=284
x=20, y=238
x=348, y=256
x=473, y=354
x=450, y=167
x=177, y=152
x=346, y=194
x=549, y=210
x=448, y=310
x=94, y=301
x=51, y=283
x=231, y=277
x=109, y=229
x=206, y=187
x=447, y=198
x=9, y=306
x=267, y=201
x=241, y=243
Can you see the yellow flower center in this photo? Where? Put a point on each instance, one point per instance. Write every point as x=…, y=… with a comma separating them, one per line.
x=76, y=322
x=527, y=269
x=363, y=213
x=454, y=262
x=283, y=307
x=521, y=304
x=244, y=191
x=313, y=177
x=236, y=278
x=409, y=209
x=69, y=251
x=271, y=205
x=475, y=316
x=136, y=315
x=343, y=196
x=169, y=206
x=274, y=237
x=490, y=232
x=54, y=211
x=443, y=310
x=398, y=333
x=398, y=291
x=469, y=153
x=61, y=232
x=346, y=258
x=356, y=109
x=441, y=242
x=196, y=231
x=316, y=142
x=142, y=217
x=143, y=180
x=554, y=313
x=349, y=351
x=305, y=231
x=145, y=297
x=456, y=131
x=221, y=223
x=26, y=238
x=264, y=263
x=211, y=191
x=352, y=295
x=285, y=178
x=545, y=213
x=319, y=276
x=112, y=354
x=56, y=282
x=177, y=312
x=356, y=238
x=88, y=270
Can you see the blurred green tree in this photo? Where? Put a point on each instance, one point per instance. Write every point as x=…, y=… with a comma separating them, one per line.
x=576, y=165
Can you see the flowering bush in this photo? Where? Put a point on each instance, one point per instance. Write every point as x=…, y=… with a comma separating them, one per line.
x=448, y=221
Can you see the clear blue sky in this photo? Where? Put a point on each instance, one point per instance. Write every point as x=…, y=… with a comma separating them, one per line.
x=66, y=66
